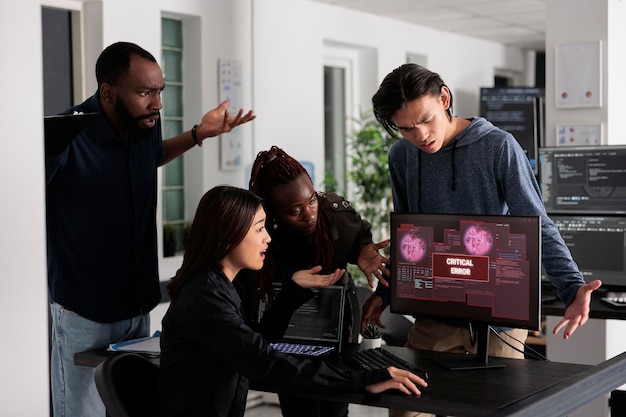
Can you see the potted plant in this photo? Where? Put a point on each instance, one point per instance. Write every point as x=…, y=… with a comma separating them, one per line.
x=369, y=172
x=372, y=337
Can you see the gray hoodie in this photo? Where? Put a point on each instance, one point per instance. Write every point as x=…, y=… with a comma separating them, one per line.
x=483, y=170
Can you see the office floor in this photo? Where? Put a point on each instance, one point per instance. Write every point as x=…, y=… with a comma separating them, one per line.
x=354, y=410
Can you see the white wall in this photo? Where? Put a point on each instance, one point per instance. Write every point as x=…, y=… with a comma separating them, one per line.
x=289, y=36
x=279, y=43
x=23, y=307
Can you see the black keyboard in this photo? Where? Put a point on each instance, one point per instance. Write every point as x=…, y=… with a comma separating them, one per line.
x=379, y=358
x=615, y=301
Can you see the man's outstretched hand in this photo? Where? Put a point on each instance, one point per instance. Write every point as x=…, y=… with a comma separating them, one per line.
x=218, y=121
x=577, y=313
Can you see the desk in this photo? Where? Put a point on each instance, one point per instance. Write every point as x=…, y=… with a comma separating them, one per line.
x=602, y=337
x=522, y=388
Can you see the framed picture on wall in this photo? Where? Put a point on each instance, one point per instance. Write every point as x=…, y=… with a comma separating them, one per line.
x=578, y=75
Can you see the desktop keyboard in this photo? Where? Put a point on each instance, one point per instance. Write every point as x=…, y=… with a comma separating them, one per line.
x=615, y=301
x=379, y=358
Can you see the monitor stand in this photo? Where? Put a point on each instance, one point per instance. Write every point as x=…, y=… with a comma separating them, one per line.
x=459, y=362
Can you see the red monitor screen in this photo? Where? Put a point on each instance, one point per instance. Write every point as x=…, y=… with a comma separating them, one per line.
x=467, y=268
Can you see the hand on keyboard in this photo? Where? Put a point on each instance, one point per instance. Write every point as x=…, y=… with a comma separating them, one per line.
x=380, y=358
x=401, y=380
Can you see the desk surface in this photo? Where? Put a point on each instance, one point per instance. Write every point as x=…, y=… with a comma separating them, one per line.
x=522, y=388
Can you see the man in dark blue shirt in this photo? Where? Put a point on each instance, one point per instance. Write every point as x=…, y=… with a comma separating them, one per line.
x=101, y=218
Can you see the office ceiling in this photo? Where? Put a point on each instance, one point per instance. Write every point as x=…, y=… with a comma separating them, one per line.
x=519, y=23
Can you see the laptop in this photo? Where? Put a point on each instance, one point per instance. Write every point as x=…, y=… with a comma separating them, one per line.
x=316, y=327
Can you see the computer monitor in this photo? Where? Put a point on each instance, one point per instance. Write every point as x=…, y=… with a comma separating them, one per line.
x=519, y=111
x=597, y=244
x=319, y=319
x=478, y=269
x=583, y=179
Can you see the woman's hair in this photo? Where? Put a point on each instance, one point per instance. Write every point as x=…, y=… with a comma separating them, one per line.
x=406, y=83
x=114, y=61
x=222, y=220
x=270, y=169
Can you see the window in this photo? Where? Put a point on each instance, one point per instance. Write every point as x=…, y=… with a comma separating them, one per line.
x=334, y=129
x=172, y=120
x=340, y=97
x=62, y=30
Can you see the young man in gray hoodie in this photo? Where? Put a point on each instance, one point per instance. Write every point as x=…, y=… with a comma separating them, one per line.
x=445, y=164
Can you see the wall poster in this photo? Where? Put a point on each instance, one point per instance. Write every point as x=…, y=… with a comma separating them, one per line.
x=230, y=89
x=579, y=75
x=576, y=134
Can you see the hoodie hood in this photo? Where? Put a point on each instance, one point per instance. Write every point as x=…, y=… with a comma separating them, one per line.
x=474, y=132
x=477, y=130
x=471, y=134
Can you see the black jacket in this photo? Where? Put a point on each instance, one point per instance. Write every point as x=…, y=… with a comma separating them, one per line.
x=208, y=353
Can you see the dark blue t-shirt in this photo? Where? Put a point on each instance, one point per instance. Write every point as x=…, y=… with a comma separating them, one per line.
x=101, y=221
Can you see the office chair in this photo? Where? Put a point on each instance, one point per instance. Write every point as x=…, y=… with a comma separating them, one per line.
x=127, y=385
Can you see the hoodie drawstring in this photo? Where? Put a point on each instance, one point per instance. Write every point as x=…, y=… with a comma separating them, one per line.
x=453, y=166
x=419, y=181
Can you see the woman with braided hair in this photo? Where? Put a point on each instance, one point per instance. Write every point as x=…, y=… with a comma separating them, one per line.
x=314, y=236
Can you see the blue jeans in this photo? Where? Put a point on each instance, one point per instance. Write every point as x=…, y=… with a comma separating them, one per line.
x=73, y=388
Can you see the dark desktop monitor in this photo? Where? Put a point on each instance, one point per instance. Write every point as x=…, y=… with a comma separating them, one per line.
x=583, y=179
x=519, y=111
x=597, y=244
x=478, y=269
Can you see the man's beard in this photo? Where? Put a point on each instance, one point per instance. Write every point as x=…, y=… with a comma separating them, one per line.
x=132, y=122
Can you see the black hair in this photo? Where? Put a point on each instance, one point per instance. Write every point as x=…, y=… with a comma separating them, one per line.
x=114, y=61
x=405, y=83
x=222, y=220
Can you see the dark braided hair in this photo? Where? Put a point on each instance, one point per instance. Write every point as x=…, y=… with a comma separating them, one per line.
x=270, y=169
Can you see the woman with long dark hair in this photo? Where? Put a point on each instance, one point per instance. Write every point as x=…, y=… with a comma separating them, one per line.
x=208, y=352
